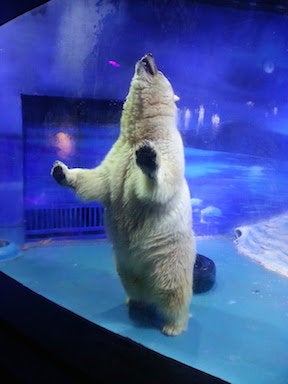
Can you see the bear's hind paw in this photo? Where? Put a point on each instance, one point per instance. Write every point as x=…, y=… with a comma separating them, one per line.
x=173, y=329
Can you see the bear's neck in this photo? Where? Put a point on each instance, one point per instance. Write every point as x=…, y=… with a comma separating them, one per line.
x=143, y=118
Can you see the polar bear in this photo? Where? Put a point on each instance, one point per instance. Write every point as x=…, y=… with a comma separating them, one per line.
x=142, y=185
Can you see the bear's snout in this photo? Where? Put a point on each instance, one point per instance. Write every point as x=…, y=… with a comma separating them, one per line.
x=148, y=63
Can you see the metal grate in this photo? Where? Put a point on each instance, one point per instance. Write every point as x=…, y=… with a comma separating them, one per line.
x=64, y=221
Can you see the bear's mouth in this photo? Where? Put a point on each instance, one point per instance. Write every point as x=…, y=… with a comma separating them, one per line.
x=148, y=63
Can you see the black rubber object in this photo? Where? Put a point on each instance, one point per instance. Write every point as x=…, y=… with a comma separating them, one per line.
x=204, y=274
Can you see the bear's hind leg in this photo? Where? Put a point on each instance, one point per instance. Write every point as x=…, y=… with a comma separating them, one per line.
x=174, y=309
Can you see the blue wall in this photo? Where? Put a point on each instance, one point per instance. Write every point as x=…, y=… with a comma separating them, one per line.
x=233, y=62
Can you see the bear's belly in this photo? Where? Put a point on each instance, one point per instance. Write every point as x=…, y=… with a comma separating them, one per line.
x=153, y=247
x=155, y=264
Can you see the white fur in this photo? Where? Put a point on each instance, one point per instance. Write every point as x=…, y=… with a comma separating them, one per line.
x=148, y=220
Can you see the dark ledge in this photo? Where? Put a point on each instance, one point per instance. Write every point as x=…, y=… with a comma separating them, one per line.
x=43, y=342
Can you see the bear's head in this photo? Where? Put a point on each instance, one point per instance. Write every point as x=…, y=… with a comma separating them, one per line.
x=151, y=82
x=150, y=97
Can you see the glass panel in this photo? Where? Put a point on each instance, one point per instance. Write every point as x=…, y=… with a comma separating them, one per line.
x=65, y=71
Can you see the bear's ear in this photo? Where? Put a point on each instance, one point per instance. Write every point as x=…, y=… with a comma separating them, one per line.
x=176, y=98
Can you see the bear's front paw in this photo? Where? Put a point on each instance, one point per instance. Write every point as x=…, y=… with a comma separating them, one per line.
x=58, y=171
x=146, y=159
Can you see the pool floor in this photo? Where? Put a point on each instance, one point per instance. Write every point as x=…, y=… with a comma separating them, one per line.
x=237, y=331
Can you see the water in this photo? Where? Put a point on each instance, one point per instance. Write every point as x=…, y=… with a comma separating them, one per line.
x=238, y=330
x=240, y=188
